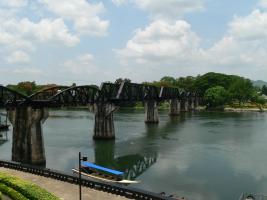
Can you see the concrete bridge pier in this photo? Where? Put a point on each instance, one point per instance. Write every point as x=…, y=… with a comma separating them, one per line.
x=174, y=107
x=151, y=112
x=196, y=103
x=104, y=123
x=184, y=105
x=191, y=104
x=27, y=144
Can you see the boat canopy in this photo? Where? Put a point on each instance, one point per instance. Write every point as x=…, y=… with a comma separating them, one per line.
x=97, y=167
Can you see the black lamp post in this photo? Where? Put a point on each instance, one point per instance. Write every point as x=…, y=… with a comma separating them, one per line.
x=80, y=176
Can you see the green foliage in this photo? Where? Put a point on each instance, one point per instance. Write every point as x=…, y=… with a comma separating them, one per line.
x=258, y=100
x=120, y=80
x=241, y=90
x=27, y=189
x=215, y=97
x=212, y=79
x=1, y=197
x=186, y=83
x=167, y=81
x=264, y=89
x=26, y=88
x=13, y=194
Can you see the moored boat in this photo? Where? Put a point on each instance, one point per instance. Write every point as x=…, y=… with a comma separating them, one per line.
x=94, y=171
x=249, y=196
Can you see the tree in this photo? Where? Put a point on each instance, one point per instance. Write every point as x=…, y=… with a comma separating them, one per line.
x=215, y=97
x=26, y=87
x=187, y=83
x=264, y=90
x=167, y=81
x=241, y=90
x=120, y=80
x=211, y=79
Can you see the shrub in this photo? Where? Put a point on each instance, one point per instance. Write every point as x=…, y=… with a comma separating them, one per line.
x=27, y=189
x=215, y=97
x=13, y=194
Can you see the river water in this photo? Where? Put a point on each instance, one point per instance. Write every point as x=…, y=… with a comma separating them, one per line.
x=198, y=155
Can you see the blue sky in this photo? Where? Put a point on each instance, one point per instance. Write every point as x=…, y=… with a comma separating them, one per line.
x=91, y=41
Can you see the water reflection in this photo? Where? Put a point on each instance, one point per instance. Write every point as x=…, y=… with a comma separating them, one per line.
x=132, y=165
x=3, y=137
x=200, y=155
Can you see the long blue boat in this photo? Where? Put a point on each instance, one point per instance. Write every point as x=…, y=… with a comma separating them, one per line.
x=94, y=171
x=88, y=167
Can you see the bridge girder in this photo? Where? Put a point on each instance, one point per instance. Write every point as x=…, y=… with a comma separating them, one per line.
x=47, y=93
x=88, y=94
x=76, y=96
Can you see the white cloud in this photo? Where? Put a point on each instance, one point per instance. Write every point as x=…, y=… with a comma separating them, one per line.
x=165, y=9
x=14, y=3
x=251, y=27
x=161, y=42
x=82, y=64
x=81, y=70
x=45, y=30
x=246, y=42
x=18, y=57
x=83, y=14
x=13, y=41
x=28, y=71
x=263, y=3
x=173, y=48
x=119, y=2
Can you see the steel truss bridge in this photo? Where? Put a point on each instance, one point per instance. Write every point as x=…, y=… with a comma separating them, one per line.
x=90, y=94
x=28, y=113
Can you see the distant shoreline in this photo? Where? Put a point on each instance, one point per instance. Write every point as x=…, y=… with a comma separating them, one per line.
x=245, y=109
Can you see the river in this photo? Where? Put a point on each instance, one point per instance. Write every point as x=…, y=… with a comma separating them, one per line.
x=201, y=155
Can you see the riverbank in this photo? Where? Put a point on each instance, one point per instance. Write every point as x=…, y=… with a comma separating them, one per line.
x=63, y=190
x=245, y=109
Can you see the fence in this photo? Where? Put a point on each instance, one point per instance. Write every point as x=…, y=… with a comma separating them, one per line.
x=128, y=192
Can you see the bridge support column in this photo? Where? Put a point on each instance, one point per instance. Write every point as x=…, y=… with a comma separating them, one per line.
x=27, y=144
x=104, y=124
x=174, y=107
x=151, y=109
x=191, y=104
x=184, y=105
x=196, y=103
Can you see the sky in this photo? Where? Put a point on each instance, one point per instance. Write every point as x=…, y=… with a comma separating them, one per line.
x=92, y=41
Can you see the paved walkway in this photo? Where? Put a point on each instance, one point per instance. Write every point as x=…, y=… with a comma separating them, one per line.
x=63, y=190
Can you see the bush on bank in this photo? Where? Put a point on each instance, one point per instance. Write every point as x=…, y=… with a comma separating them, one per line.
x=24, y=188
x=13, y=194
x=0, y=196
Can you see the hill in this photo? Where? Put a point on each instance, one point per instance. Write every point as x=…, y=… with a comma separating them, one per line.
x=259, y=83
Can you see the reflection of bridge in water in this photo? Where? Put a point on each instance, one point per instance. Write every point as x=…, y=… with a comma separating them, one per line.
x=134, y=157
x=3, y=128
x=133, y=165
x=28, y=113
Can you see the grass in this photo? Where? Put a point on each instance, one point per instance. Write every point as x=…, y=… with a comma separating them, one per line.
x=19, y=189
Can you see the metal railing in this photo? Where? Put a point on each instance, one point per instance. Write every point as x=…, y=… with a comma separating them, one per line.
x=128, y=192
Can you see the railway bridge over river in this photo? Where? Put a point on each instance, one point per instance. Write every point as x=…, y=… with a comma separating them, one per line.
x=28, y=113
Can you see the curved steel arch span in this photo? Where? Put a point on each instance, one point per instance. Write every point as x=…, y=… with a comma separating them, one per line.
x=76, y=96
x=47, y=93
x=10, y=97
